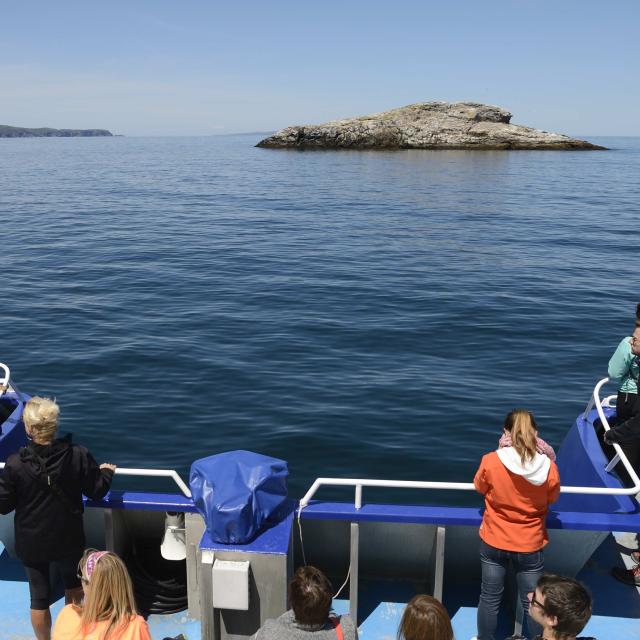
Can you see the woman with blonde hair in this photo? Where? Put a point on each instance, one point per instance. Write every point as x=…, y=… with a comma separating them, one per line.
x=425, y=618
x=518, y=483
x=44, y=483
x=108, y=611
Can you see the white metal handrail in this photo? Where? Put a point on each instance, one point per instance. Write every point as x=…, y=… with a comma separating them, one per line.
x=359, y=483
x=4, y=380
x=620, y=455
x=150, y=473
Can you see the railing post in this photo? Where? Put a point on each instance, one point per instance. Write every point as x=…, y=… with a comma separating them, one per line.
x=438, y=579
x=614, y=461
x=353, y=577
x=358, y=500
x=585, y=415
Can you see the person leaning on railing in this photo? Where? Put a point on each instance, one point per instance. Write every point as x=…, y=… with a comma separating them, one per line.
x=518, y=484
x=44, y=483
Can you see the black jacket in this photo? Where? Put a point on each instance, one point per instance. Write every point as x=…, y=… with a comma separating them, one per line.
x=48, y=526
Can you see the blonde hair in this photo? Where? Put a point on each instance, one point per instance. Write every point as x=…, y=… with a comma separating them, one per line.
x=109, y=597
x=523, y=429
x=40, y=415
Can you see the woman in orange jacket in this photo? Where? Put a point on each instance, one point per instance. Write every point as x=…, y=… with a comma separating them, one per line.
x=518, y=483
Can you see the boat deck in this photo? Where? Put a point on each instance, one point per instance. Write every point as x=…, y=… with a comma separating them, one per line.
x=616, y=611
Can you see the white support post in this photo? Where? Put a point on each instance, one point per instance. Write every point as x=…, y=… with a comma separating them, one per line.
x=614, y=461
x=358, y=500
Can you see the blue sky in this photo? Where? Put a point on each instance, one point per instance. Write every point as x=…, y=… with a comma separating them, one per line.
x=195, y=67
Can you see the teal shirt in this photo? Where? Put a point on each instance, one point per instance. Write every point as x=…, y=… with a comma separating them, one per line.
x=623, y=367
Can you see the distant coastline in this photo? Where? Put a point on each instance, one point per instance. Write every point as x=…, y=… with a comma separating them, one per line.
x=7, y=131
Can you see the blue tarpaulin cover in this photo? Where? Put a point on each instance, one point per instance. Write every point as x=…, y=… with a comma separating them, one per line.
x=237, y=492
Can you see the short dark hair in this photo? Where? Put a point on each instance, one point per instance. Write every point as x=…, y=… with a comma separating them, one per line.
x=638, y=315
x=567, y=600
x=310, y=595
x=425, y=617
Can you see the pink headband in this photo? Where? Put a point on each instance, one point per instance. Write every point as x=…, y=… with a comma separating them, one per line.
x=92, y=560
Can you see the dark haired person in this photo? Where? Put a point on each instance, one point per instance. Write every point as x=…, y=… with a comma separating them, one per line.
x=310, y=596
x=562, y=606
x=425, y=618
x=44, y=483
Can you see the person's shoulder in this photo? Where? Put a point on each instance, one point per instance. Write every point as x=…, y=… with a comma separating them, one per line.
x=69, y=611
x=287, y=621
x=625, y=343
x=490, y=458
x=78, y=448
x=274, y=628
x=346, y=622
x=14, y=459
x=67, y=618
x=78, y=452
x=138, y=629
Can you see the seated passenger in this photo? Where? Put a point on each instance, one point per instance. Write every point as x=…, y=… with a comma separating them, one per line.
x=562, y=607
x=518, y=484
x=425, y=618
x=624, y=367
x=108, y=611
x=310, y=596
x=44, y=483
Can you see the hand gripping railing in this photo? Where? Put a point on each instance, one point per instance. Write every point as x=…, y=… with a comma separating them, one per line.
x=150, y=473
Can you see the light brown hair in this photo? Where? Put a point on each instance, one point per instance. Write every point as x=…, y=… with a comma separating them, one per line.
x=425, y=618
x=523, y=428
x=40, y=416
x=109, y=595
x=310, y=594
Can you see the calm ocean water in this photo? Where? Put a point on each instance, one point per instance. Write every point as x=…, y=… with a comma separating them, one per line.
x=355, y=313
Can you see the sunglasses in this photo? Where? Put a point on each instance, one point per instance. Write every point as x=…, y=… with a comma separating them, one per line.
x=535, y=603
x=82, y=578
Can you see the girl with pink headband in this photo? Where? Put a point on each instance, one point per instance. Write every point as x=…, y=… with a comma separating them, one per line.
x=108, y=611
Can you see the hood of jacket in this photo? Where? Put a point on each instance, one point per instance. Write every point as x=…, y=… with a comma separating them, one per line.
x=534, y=471
x=49, y=459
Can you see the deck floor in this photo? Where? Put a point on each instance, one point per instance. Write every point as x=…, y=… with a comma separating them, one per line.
x=616, y=605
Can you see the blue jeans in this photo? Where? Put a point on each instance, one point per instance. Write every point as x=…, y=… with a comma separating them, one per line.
x=494, y=562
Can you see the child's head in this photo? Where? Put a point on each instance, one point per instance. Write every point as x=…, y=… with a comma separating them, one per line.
x=425, y=618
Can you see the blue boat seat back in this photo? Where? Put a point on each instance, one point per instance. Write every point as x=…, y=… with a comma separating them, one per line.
x=582, y=462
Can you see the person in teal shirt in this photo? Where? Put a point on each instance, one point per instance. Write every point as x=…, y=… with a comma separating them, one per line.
x=624, y=367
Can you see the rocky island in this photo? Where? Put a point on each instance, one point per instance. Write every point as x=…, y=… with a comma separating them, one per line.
x=22, y=132
x=425, y=125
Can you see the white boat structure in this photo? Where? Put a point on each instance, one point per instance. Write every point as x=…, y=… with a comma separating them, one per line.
x=385, y=553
